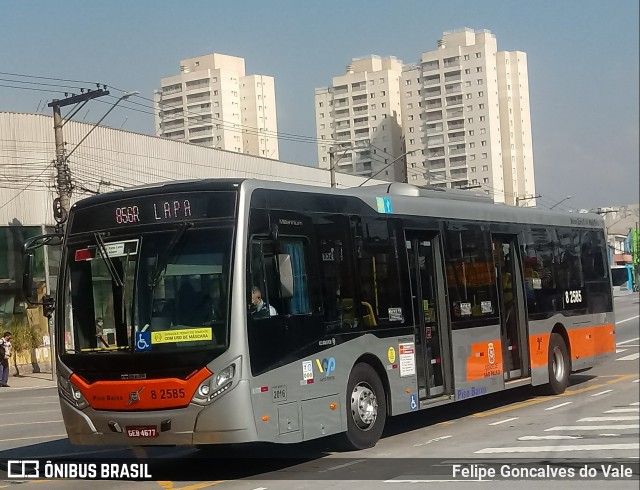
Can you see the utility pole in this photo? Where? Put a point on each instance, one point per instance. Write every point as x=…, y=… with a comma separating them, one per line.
x=519, y=199
x=63, y=184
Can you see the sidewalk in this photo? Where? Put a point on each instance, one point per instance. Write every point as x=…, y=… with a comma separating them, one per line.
x=29, y=381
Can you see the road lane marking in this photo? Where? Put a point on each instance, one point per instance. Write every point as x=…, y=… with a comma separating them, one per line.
x=197, y=486
x=602, y=392
x=31, y=423
x=340, y=466
x=627, y=320
x=619, y=418
x=637, y=380
x=630, y=357
x=544, y=399
x=593, y=427
x=544, y=449
x=627, y=341
x=24, y=413
x=432, y=440
x=547, y=438
x=634, y=404
x=623, y=410
x=558, y=406
x=504, y=421
x=32, y=437
x=620, y=351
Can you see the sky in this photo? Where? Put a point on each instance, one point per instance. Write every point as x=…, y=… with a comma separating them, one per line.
x=582, y=60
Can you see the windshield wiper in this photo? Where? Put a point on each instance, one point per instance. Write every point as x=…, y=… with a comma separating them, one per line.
x=162, y=260
x=107, y=260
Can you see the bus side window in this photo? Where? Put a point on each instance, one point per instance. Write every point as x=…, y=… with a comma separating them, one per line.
x=263, y=301
x=298, y=303
x=379, y=275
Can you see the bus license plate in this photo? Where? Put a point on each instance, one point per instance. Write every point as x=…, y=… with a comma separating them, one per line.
x=142, y=431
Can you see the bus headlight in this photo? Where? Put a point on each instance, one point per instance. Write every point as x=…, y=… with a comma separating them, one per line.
x=72, y=393
x=225, y=375
x=212, y=387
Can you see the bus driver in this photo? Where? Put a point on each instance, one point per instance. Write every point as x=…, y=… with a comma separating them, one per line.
x=258, y=308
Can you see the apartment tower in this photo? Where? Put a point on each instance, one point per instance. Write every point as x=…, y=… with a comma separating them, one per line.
x=358, y=120
x=213, y=103
x=466, y=118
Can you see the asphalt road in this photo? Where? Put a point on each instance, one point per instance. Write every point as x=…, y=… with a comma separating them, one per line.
x=596, y=421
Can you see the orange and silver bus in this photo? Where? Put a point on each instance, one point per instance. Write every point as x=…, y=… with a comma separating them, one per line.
x=230, y=311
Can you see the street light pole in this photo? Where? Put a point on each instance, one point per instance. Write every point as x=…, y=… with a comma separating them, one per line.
x=560, y=202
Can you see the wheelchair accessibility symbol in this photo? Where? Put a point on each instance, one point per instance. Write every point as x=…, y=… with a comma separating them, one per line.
x=143, y=341
x=413, y=403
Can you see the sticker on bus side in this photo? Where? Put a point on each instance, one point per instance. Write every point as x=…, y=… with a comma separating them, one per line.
x=183, y=335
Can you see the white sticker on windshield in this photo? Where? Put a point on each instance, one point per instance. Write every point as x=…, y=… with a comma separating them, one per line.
x=120, y=249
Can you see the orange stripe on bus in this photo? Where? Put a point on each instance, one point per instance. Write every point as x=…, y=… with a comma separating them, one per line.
x=147, y=394
x=485, y=360
x=583, y=342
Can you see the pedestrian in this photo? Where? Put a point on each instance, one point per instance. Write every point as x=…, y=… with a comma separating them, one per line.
x=5, y=353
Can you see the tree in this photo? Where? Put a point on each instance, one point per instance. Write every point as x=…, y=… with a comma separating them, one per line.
x=24, y=338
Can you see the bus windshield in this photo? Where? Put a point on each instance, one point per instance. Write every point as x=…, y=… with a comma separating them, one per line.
x=157, y=291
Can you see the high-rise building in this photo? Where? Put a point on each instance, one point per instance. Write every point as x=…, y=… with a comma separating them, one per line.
x=466, y=118
x=213, y=103
x=358, y=118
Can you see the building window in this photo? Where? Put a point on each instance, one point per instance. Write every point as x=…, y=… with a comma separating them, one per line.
x=466, y=57
x=483, y=130
x=470, y=120
x=482, y=118
x=469, y=96
x=480, y=106
x=484, y=155
x=411, y=117
x=469, y=108
x=478, y=55
x=472, y=157
x=479, y=69
x=473, y=170
x=481, y=94
x=472, y=145
x=320, y=104
x=411, y=129
x=485, y=168
x=471, y=132
x=480, y=81
x=383, y=105
x=467, y=71
x=483, y=143
x=382, y=80
x=467, y=83
x=383, y=93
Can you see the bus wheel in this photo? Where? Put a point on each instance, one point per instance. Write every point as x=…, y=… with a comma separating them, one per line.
x=559, y=367
x=366, y=408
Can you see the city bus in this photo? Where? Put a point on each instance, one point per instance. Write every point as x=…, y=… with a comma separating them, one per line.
x=233, y=311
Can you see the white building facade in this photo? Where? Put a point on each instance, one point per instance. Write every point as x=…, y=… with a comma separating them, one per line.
x=213, y=103
x=466, y=118
x=358, y=120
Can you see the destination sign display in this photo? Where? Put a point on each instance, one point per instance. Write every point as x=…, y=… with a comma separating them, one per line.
x=155, y=209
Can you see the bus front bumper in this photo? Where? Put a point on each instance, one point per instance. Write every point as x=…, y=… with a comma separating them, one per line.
x=226, y=420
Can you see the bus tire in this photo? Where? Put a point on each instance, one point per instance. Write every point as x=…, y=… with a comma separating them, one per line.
x=366, y=408
x=558, y=364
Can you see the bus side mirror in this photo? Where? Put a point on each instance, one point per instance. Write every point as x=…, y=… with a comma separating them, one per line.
x=286, y=276
x=27, y=276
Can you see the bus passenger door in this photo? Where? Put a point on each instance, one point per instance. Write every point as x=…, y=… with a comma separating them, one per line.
x=513, y=326
x=421, y=252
